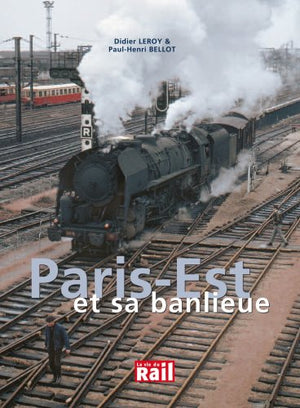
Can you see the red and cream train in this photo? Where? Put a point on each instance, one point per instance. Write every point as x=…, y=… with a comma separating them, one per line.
x=43, y=95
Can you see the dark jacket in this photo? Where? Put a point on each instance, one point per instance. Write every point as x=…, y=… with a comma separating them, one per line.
x=60, y=335
x=277, y=217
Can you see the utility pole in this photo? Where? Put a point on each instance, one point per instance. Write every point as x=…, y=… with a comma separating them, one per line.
x=18, y=89
x=31, y=71
x=49, y=6
x=55, y=45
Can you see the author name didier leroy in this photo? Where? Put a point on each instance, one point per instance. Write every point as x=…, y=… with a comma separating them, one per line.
x=76, y=287
x=142, y=45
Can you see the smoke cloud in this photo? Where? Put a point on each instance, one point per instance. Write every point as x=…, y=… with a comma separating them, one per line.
x=284, y=28
x=227, y=180
x=183, y=214
x=216, y=58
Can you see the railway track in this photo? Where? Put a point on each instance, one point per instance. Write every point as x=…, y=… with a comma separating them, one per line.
x=52, y=295
x=42, y=123
x=31, y=149
x=28, y=162
x=264, y=135
x=8, y=113
x=35, y=159
x=36, y=124
x=24, y=222
x=267, y=144
x=279, y=384
x=203, y=332
x=41, y=132
x=105, y=345
x=32, y=157
x=36, y=166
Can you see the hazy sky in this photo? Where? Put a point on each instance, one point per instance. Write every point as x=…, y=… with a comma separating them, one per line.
x=78, y=19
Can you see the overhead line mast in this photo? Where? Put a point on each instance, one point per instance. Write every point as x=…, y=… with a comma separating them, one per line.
x=49, y=6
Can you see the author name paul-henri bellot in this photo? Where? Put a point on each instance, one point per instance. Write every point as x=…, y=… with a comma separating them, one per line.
x=133, y=45
x=77, y=287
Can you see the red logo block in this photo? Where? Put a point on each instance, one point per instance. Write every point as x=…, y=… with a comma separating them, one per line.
x=154, y=371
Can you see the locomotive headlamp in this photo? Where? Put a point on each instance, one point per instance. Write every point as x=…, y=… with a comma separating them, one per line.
x=107, y=226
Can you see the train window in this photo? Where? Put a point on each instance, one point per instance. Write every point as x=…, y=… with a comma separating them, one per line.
x=78, y=90
x=53, y=92
x=69, y=90
x=34, y=94
x=65, y=91
x=61, y=92
x=73, y=90
x=2, y=92
x=40, y=93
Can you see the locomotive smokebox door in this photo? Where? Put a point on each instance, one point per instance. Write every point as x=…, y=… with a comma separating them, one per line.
x=95, y=182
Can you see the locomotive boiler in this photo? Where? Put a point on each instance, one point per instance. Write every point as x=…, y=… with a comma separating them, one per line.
x=111, y=192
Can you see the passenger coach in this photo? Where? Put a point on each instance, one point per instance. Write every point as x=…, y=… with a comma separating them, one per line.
x=44, y=95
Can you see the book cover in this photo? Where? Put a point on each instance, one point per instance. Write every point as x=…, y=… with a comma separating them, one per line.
x=150, y=204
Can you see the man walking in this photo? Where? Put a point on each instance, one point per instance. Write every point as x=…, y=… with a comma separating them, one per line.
x=56, y=338
x=277, y=222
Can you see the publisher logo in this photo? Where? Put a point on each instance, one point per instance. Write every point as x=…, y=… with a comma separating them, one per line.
x=154, y=371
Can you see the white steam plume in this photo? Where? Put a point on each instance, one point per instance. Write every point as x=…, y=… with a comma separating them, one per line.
x=284, y=28
x=216, y=58
x=227, y=180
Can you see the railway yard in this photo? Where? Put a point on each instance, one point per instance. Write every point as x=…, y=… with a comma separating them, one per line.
x=222, y=359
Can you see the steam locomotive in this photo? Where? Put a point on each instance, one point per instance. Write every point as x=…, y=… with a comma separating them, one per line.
x=111, y=192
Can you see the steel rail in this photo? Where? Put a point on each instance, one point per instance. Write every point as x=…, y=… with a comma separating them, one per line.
x=167, y=260
x=97, y=330
x=26, y=226
x=217, y=339
x=39, y=165
x=36, y=371
x=150, y=352
x=35, y=306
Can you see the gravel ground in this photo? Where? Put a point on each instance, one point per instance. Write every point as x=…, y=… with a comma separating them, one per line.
x=252, y=337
